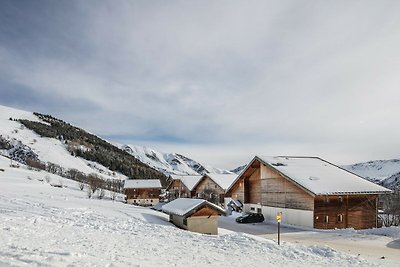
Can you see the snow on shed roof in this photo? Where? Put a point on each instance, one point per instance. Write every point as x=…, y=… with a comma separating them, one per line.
x=190, y=181
x=223, y=180
x=183, y=206
x=142, y=183
x=321, y=177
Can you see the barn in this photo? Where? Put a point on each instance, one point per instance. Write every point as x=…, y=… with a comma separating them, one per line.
x=195, y=215
x=308, y=191
x=145, y=192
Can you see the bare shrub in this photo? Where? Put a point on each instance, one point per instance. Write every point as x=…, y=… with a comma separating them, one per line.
x=113, y=195
x=101, y=193
x=81, y=186
x=89, y=192
x=391, y=209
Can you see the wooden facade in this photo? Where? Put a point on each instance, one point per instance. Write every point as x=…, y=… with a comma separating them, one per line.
x=345, y=211
x=209, y=190
x=178, y=189
x=263, y=187
x=143, y=196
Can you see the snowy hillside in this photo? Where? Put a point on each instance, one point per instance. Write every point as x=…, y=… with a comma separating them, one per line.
x=170, y=163
x=385, y=172
x=376, y=169
x=46, y=149
x=42, y=225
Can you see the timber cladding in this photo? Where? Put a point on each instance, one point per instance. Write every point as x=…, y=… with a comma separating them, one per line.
x=348, y=211
x=179, y=189
x=205, y=211
x=278, y=191
x=237, y=191
x=142, y=193
x=207, y=184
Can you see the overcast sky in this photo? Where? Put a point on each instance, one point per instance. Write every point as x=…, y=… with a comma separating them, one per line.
x=218, y=81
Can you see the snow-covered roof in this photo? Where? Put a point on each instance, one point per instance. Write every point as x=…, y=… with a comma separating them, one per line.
x=321, y=177
x=183, y=206
x=190, y=181
x=142, y=183
x=223, y=180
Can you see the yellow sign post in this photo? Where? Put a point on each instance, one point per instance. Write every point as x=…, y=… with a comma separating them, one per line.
x=279, y=219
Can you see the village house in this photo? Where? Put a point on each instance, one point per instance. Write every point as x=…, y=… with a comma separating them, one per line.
x=212, y=187
x=195, y=215
x=308, y=191
x=142, y=192
x=183, y=186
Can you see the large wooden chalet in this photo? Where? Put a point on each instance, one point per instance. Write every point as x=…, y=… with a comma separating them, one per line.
x=142, y=192
x=308, y=191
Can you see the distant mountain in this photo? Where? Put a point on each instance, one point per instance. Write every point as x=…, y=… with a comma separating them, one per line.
x=383, y=172
x=239, y=169
x=170, y=163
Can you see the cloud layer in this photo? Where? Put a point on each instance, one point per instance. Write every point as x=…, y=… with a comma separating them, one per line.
x=218, y=81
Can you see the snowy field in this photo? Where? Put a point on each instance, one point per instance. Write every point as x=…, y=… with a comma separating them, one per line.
x=42, y=225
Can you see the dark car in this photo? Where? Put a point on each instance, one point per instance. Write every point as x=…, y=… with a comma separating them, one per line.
x=250, y=218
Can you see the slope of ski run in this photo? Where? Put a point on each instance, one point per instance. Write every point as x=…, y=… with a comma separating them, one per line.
x=41, y=225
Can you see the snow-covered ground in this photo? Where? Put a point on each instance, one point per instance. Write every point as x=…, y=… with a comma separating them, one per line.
x=380, y=246
x=41, y=225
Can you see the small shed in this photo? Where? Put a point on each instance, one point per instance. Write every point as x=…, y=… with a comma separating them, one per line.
x=142, y=192
x=196, y=215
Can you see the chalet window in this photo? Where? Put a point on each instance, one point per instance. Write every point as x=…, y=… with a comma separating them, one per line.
x=340, y=218
x=215, y=186
x=326, y=219
x=185, y=221
x=252, y=208
x=259, y=210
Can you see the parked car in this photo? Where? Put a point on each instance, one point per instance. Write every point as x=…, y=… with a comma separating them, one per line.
x=250, y=218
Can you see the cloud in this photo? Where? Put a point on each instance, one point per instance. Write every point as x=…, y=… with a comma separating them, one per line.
x=213, y=78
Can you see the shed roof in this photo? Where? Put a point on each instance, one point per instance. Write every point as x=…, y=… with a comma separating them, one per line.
x=190, y=181
x=223, y=180
x=142, y=183
x=184, y=206
x=321, y=177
